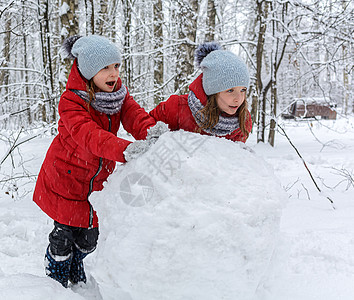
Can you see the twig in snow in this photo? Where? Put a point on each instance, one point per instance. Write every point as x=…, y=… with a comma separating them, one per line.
x=17, y=177
x=288, y=188
x=348, y=177
x=307, y=192
x=303, y=161
x=333, y=144
x=18, y=143
x=12, y=147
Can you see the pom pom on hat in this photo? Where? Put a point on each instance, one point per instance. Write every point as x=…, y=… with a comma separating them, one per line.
x=93, y=53
x=68, y=45
x=222, y=69
x=203, y=50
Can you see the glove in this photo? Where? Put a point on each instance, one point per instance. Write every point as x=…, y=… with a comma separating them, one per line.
x=137, y=148
x=154, y=132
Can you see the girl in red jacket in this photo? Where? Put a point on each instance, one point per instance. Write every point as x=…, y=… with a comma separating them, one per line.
x=216, y=104
x=84, y=152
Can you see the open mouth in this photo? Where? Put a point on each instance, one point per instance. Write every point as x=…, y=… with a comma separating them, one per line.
x=111, y=83
x=234, y=107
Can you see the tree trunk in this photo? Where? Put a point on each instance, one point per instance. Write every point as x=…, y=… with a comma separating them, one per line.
x=273, y=108
x=158, y=57
x=89, y=17
x=25, y=65
x=113, y=22
x=251, y=35
x=70, y=27
x=187, y=29
x=47, y=31
x=273, y=78
x=277, y=57
x=4, y=74
x=127, y=60
x=262, y=15
x=102, y=18
x=211, y=16
x=346, y=87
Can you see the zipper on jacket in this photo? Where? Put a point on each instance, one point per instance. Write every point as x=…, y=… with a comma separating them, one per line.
x=93, y=178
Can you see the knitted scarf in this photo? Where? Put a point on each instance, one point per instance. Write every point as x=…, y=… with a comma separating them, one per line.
x=225, y=126
x=108, y=103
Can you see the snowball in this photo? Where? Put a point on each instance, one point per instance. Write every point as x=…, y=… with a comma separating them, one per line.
x=195, y=217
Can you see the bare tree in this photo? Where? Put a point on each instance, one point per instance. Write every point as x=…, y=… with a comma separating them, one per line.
x=186, y=17
x=45, y=33
x=158, y=56
x=293, y=48
x=70, y=24
x=127, y=63
x=262, y=17
x=102, y=18
x=280, y=41
x=211, y=19
x=4, y=73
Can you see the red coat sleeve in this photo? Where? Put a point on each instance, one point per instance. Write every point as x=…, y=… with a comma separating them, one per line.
x=135, y=119
x=168, y=112
x=88, y=134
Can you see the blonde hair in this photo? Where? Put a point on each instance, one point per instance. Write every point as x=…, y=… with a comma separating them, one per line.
x=209, y=115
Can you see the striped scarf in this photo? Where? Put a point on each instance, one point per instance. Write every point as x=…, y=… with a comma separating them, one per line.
x=108, y=103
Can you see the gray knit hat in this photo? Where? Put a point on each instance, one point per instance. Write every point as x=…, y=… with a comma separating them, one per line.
x=222, y=69
x=93, y=53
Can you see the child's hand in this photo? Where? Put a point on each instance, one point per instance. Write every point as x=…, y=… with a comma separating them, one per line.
x=137, y=148
x=154, y=132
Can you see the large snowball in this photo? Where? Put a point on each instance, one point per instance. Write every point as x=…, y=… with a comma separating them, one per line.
x=196, y=217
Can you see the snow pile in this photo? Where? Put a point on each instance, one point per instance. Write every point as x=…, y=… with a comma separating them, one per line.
x=31, y=287
x=195, y=217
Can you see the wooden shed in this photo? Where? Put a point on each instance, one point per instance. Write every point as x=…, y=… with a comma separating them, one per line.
x=311, y=108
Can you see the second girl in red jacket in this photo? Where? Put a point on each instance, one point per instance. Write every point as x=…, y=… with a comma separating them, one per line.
x=216, y=104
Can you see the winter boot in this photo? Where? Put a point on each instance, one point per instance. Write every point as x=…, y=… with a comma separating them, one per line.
x=77, y=272
x=58, y=267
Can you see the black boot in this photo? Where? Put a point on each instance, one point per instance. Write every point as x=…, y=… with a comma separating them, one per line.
x=77, y=272
x=58, y=268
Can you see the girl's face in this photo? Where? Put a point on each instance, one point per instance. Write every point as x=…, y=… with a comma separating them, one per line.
x=230, y=100
x=106, y=79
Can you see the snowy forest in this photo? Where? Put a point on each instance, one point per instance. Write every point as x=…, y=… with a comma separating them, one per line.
x=207, y=218
x=294, y=49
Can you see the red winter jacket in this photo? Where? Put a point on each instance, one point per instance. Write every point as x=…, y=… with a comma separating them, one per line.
x=84, y=153
x=176, y=113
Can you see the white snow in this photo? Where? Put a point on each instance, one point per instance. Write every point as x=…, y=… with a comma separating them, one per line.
x=64, y=9
x=208, y=226
x=198, y=218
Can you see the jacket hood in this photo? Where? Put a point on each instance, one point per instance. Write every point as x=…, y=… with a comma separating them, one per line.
x=197, y=88
x=77, y=82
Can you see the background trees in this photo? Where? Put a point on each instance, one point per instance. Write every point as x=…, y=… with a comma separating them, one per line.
x=293, y=49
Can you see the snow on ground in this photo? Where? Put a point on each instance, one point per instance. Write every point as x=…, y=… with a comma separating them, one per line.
x=315, y=259
x=149, y=236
